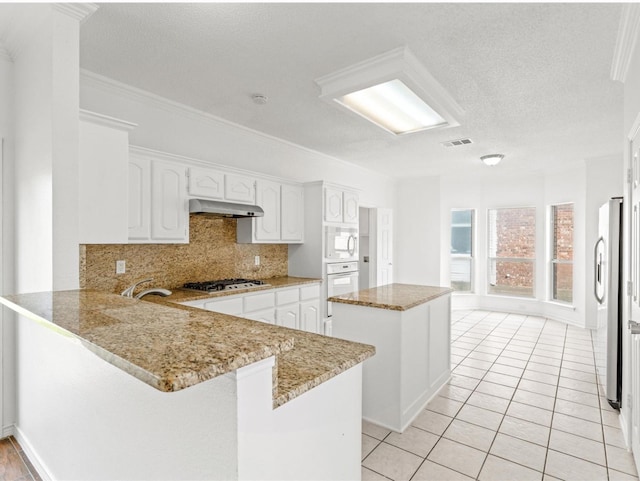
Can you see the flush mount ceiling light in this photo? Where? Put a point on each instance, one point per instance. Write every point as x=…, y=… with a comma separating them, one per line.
x=492, y=159
x=394, y=91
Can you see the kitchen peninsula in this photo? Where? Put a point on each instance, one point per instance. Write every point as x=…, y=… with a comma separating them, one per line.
x=205, y=395
x=410, y=327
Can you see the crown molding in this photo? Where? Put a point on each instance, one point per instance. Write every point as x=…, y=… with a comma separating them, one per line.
x=626, y=41
x=107, y=84
x=106, y=121
x=78, y=11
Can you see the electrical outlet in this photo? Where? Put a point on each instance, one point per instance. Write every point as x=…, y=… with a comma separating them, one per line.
x=257, y=260
x=121, y=267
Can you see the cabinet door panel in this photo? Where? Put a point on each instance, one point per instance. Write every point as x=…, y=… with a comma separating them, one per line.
x=168, y=201
x=310, y=316
x=288, y=316
x=139, y=199
x=292, y=222
x=350, y=208
x=332, y=205
x=239, y=188
x=206, y=183
x=267, y=228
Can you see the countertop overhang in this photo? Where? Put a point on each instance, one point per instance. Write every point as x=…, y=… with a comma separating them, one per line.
x=395, y=297
x=171, y=347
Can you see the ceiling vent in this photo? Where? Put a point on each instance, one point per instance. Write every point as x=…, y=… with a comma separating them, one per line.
x=456, y=143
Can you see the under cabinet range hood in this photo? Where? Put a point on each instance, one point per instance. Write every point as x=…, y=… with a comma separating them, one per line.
x=216, y=208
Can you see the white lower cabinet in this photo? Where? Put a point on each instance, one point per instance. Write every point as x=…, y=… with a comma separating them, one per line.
x=293, y=307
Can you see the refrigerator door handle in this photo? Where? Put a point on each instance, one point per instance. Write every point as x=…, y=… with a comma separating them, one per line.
x=597, y=278
x=634, y=327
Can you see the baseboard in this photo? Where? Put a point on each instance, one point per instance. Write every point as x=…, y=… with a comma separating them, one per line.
x=37, y=462
x=8, y=431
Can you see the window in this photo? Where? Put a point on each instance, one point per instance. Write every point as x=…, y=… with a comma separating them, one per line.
x=562, y=253
x=512, y=234
x=462, y=250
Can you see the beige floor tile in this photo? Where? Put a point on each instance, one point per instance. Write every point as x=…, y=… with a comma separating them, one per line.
x=431, y=421
x=621, y=460
x=578, y=397
x=455, y=360
x=487, y=401
x=577, y=410
x=494, y=389
x=588, y=361
x=454, y=392
x=577, y=446
x=483, y=356
x=469, y=372
x=521, y=349
x=569, y=468
x=546, y=477
x=414, y=440
x=458, y=344
x=430, y=471
x=464, y=381
x=512, y=362
x=613, y=436
x=618, y=476
x=576, y=366
x=530, y=413
x=515, y=354
x=577, y=426
x=498, y=469
x=444, y=405
x=540, y=377
x=610, y=418
x=392, y=462
x=537, y=387
x=368, y=444
x=476, y=363
x=519, y=451
x=588, y=387
x=457, y=456
x=470, y=434
x=578, y=375
x=368, y=475
x=508, y=370
x=539, y=351
x=545, y=368
x=489, y=350
x=502, y=379
x=460, y=352
x=480, y=417
x=545, y=360
x=525, y=430
x=534, y=399
x=374, y=430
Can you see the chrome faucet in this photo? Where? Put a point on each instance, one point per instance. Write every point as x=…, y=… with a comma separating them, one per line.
x=154, y=291
x=128, y=292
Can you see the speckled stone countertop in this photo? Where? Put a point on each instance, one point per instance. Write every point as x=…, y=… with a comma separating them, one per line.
x=395, y=297
x=171, y=347
x=184, y=295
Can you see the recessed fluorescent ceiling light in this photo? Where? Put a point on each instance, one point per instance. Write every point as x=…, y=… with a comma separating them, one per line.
x=393, y=106
x=394, y=91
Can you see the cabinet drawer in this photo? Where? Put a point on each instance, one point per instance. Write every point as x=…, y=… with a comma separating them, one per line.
x=309, y=292
x=287, y=296
x=268, y=316
x=228, y=306
x=258, y=302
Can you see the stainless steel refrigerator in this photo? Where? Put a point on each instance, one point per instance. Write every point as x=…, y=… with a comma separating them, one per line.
x=607, y=290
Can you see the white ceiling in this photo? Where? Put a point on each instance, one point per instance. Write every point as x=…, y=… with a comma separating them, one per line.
x=533, y=79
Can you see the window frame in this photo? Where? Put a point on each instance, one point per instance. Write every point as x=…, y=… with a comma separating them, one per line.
x=532, y=261
x=471, y=257
x=553, y=261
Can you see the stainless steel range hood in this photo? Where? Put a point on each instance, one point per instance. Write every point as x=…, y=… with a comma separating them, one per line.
x=216, y=208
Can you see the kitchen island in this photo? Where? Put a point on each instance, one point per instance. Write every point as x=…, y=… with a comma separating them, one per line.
x=119, y=388
x=410, y=327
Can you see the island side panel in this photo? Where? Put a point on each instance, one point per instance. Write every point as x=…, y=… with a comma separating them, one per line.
x=317, y=435
x=89, y=420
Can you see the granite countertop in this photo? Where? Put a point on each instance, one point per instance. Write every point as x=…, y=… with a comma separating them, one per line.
x=395, y=297
x=171, y=347
x=185, y=295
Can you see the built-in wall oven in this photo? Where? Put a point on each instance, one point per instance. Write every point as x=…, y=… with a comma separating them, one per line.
x=340, y=243
x=342, y=278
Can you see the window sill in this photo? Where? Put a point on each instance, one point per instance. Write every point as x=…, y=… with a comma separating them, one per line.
x=562, y=305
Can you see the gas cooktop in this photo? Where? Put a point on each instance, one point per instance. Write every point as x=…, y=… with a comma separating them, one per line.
x=224, y=285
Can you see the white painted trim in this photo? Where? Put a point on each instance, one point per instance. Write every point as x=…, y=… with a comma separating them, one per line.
x=106, y=120
x=31, y=453
x=626, y=41
x=8, y=430
x=78, y=11
x=118, y=88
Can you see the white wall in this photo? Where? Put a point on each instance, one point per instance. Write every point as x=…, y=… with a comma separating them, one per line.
x=170, y=127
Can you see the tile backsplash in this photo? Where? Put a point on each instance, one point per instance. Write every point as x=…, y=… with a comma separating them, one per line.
x=212, y=253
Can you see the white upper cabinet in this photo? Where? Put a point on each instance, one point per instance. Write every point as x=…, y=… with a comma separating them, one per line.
x=102, y=174
x=205, y=182
x=169, y=212
x=267, y=228
x=292, y=210
x=340, y=206
x=139, y=199
x=239, y=188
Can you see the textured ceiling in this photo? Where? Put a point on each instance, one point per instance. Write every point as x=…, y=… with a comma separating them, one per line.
x=533, y=79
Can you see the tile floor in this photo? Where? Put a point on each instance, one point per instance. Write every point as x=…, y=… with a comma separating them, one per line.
x=523, y=404
x=14, y=465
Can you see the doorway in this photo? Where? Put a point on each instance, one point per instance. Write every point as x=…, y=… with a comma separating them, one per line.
x=375, y=261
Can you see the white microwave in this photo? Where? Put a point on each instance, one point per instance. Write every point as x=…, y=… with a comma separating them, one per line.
x=341, y=242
